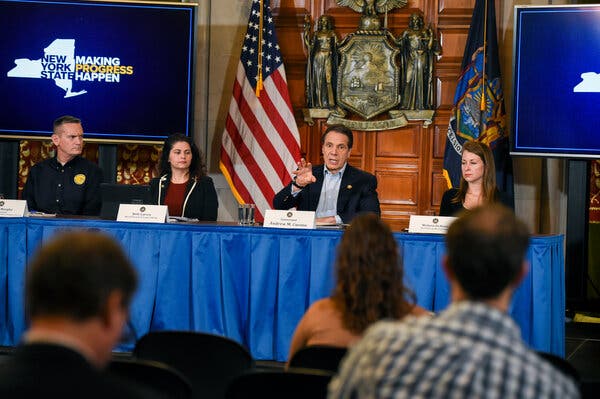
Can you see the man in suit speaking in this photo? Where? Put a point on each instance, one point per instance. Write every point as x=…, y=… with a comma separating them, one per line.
x=336, y=190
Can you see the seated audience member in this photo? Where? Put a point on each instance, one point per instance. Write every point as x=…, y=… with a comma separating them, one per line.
x=183, y=184
x=473, y=349
x=66, y=184
x=477, y=183
x=369, y=287
x=336, y=191
x=78, y=290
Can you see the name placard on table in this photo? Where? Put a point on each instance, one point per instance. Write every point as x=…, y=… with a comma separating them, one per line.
x=289, y=219
x=13, y=208
x=429, y=224
x=142, y=213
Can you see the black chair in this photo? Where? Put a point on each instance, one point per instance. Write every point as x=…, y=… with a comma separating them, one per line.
x=589, y=389
x=322, y=357
x=6, y=353
x=159, y=377
x=291, y=384
x=208, y=361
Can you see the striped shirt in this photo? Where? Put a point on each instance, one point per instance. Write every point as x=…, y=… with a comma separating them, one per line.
x=471, y=350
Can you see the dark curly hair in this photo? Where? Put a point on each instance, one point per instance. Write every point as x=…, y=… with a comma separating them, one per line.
x=370, y=275
x=197, y=167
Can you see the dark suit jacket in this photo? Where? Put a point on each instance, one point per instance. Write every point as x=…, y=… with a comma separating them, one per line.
x=357, y=194
x=53, y=371
x=449, y=208
x=202, y=200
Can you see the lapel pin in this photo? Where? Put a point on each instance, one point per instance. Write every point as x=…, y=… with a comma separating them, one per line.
x=349, y=186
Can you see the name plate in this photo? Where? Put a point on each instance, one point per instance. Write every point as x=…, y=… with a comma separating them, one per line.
x=429, y=224
x=142, y=213
x=289, y=219
x=13, y=208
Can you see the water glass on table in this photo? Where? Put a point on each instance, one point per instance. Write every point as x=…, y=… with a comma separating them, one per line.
x=246, y=214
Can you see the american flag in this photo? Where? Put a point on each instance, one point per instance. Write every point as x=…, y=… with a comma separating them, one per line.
x=261, y=144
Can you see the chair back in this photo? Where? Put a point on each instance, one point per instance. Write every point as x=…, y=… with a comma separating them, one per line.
x=322, y=357
x=157, y=376
x=291, y=384
x=208, y=361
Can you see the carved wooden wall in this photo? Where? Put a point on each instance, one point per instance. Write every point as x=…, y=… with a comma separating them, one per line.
x=407, y=161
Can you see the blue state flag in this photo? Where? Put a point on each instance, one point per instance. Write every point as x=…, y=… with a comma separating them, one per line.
x=478, y=111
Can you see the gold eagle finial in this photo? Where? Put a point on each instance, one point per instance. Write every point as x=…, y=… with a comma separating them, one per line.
x=372, y=7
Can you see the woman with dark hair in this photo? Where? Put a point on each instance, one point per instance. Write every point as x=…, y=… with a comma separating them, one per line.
x=369, y=288
x=477, y=183
x=183, y=184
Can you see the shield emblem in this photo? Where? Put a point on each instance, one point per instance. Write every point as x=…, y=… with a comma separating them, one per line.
x=368, y=79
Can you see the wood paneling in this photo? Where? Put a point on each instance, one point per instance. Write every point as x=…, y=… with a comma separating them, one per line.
x=407, y=161
x=439, y=185
x=439, y=141
x=400, y=187
x=455, y=6
x=398, y=143
x=446, y=87
x=453, y=44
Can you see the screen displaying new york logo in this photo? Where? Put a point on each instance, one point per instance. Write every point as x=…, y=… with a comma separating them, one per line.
x=60, y=64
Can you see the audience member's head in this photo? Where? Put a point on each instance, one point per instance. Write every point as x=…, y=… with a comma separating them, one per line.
x=369, y=274
x=80, y=285
x=486, y=251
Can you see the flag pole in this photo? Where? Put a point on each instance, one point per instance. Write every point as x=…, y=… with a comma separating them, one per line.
x=259, y=82
x=482, y=104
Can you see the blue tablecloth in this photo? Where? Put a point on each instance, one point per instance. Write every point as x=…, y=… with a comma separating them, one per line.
x=253, y=284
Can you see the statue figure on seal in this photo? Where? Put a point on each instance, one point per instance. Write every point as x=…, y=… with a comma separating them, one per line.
x=419, y=48
x=322, y=63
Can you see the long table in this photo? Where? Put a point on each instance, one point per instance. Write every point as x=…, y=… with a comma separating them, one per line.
x=253, y=284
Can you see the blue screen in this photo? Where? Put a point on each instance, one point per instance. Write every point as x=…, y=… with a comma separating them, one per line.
x=556, y=103
x=125, y=69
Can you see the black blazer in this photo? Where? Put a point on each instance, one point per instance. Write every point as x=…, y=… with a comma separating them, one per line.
x=357, y=194
x=449, y=208
x=200, y=200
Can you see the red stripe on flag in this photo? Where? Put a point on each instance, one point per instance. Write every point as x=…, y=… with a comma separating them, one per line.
x=248, y=159
x=288, y=137
x=255, y=126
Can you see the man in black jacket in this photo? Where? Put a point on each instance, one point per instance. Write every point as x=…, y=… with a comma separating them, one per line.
x=335, y=190
x=66, y=184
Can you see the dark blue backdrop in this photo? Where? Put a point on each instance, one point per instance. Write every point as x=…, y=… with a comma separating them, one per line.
x=553, y=47
x=156, y=40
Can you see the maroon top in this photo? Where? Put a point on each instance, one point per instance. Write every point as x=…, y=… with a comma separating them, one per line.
x=174, y=198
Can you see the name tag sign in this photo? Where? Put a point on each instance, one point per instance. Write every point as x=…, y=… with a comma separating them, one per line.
x=429, y=224
x=142, y=213
x=289, y=219
x=13, y=208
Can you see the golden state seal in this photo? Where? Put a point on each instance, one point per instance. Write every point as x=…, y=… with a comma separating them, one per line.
x=79, y=179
